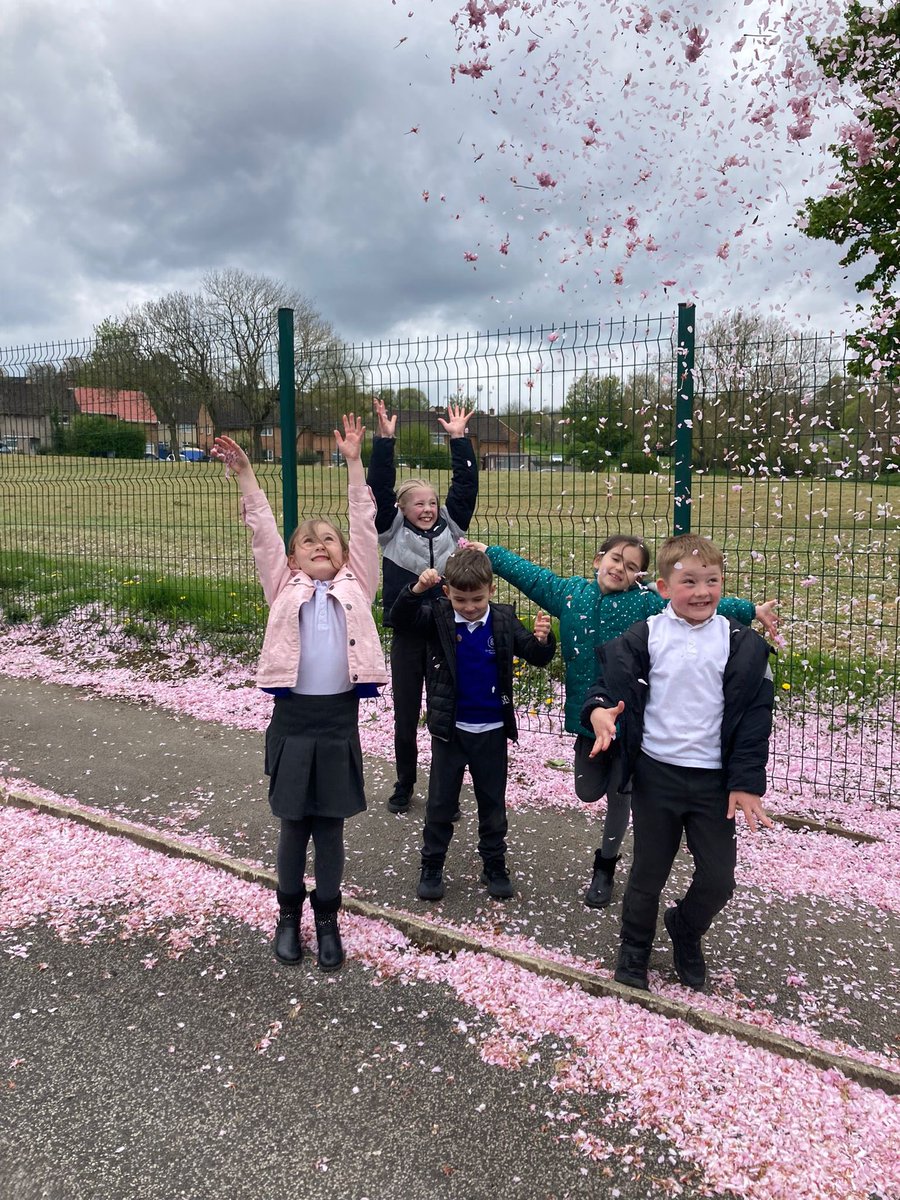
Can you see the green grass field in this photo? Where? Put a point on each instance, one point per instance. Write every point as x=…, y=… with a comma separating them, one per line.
x=158, y=540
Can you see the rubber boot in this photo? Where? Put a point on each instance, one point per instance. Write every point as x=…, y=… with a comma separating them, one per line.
x=600, y=891
x=286, y=942
x=331, y=950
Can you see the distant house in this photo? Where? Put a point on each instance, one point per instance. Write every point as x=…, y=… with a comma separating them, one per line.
x=231, y=418
x=116, y=404
x=28, y=409
x=511, y=462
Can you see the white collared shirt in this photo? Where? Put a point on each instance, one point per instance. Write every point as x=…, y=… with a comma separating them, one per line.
x=471, y=625
x=323, y=669
x=683, y=717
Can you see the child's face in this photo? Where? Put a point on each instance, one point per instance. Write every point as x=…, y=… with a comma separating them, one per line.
x=318, y=552
x=471, y=606
x=693, y=589
x=420, y=507
x=618, y=568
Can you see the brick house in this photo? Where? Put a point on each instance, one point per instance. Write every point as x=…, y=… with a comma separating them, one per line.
x=28, y=408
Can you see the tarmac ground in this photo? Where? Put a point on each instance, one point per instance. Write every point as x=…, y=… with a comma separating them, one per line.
x=220, y=1073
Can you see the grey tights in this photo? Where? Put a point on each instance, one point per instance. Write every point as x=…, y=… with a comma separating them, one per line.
x=615, y=824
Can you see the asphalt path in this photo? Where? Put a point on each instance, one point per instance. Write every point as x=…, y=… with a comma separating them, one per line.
x=136, y=1083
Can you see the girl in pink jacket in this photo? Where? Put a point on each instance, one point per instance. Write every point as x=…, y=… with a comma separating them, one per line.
x=320, y=653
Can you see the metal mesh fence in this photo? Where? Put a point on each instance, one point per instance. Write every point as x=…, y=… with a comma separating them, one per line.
x=109, y=502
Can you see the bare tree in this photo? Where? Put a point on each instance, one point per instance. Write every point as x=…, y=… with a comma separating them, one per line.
x=757, y=383
x=243, y=310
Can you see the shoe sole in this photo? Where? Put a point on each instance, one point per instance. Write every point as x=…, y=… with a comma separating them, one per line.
x=430, y=896
x=496, y=895
x=692, y=983
x=331, y=969
x=397, y=811
x=632, y=981
x=287, y=962
x=592, y=903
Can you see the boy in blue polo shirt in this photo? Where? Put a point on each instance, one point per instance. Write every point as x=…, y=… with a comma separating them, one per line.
x=468, y=684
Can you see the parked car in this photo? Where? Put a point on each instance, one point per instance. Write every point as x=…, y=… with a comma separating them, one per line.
x=193, y=454
x=4, y=449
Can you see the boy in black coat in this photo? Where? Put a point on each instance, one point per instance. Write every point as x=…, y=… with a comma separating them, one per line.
x=692, y=694
x=468, y=683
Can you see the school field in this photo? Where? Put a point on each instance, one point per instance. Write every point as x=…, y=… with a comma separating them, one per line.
x=827, y=549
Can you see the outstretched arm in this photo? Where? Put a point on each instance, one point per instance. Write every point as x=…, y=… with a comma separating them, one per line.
x=227, y=451
x=350, y=446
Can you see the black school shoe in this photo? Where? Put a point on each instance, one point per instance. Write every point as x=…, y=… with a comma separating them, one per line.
x=431, y=882
x=496, y=879
x=398, y=801
x=690, y=966
x=631, y=969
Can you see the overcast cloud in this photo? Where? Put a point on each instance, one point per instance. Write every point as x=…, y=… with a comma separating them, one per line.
x=146, y=144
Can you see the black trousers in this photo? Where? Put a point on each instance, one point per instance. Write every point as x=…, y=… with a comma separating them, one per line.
x=407, y=679
x=666, y=802
x=486, y=755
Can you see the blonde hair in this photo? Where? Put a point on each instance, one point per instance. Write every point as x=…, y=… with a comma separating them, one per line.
x=686, y=545
x=311, y=527
x=412, y=485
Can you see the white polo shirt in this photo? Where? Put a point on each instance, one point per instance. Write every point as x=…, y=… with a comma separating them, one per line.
x=683, y=717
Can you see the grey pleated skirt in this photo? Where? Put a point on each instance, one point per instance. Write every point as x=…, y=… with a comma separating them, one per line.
x=313, y=757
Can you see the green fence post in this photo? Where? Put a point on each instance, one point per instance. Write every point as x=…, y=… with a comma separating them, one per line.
x=287, y=404
x=684, y=419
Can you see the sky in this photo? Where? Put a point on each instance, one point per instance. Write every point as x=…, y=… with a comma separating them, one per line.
x=415, y=167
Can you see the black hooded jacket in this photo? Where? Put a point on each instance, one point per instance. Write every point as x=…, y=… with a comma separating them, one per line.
x=624, y=674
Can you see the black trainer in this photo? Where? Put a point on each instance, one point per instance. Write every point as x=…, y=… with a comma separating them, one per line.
x=690, y=966
x=496, y=878
x=398, y=802
x=631, y=969
x=431, y=882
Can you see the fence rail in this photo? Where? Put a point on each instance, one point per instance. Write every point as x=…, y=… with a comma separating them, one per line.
x=780, y=455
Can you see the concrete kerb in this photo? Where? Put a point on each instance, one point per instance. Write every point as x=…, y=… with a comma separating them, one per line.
x=428, y=935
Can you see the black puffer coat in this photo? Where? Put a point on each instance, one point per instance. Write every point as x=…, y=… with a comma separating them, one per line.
x=624, y=672
x=436, y=621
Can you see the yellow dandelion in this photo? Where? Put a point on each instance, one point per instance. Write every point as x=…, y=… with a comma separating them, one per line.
x=785, y=687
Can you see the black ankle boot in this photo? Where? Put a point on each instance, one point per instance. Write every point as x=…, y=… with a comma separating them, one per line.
x=600, y=891
x=331, y=950
x=286, y=942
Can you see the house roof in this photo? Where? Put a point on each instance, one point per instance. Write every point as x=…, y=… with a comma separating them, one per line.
x=115, y=402
x=24, y=397
x=232, y=414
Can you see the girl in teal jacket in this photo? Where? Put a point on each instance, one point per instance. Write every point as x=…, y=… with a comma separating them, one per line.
x=591, y=612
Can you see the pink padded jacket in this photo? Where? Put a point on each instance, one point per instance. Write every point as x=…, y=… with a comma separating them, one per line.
x=285, y=590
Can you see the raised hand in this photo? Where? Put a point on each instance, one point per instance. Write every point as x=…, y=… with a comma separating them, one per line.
x=387, y=425
x=457, y=417
x=350, y=444
x=426, y=580
x=227, y=451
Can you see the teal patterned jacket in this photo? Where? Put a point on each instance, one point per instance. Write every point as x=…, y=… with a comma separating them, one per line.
x=587, y=618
